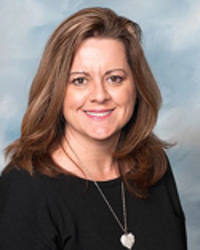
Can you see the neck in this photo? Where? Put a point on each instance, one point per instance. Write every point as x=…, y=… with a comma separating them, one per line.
x=92, y=157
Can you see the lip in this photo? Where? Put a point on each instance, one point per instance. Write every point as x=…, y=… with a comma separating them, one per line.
x=97, y=114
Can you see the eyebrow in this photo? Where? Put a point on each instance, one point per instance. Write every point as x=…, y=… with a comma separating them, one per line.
x=79, y=73
x=106, y=73
x=112, y=70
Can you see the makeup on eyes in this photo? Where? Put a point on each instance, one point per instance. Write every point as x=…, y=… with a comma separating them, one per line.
x=112, y=76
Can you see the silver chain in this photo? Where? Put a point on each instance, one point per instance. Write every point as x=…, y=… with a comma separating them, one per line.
x=127, y=239
x=124, y=228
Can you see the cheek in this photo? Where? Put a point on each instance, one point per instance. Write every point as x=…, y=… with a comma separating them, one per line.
x=72, y=101
x=127, y=98
x=69, y=105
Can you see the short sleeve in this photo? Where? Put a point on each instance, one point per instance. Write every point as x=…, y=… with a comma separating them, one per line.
x=25, y=219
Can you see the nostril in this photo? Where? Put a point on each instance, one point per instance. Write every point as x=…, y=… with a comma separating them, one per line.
x=99, y=94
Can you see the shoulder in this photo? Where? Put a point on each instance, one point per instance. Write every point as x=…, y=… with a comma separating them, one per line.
x=167, y=188
x=20, y=191
x=24, y=201
x=19, y=181
x=20, y=184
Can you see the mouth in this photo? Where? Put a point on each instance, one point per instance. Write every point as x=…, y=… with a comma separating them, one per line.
x=99, y=113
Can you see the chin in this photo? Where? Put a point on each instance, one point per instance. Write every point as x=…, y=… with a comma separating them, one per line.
x=102, y=135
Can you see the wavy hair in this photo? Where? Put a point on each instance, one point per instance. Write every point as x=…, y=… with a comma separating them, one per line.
x=43, y=123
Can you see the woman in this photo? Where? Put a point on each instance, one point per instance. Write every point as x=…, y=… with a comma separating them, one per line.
x=87, y=171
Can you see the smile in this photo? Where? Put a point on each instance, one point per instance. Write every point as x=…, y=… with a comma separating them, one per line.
x=99, y=113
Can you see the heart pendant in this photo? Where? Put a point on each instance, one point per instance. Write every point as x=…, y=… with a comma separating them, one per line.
x=127, y=240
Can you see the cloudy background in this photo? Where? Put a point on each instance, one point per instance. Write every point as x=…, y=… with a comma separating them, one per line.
x=171, y=42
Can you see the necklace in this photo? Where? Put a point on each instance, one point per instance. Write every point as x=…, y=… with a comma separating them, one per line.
x=127, y=239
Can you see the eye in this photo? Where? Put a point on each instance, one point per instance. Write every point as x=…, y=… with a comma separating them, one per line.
x=79, y=81
x=115, y=79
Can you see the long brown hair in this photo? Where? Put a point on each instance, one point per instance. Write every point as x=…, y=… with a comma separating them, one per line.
x=43, y=123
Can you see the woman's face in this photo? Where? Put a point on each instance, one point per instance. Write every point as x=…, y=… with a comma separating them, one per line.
x=100, y=94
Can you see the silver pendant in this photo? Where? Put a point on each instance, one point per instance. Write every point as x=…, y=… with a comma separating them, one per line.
x=127, y=240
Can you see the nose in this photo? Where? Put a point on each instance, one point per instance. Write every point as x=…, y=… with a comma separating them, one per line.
x=99, y=92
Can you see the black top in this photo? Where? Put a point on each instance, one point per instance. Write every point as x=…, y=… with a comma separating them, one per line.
x=63, y=213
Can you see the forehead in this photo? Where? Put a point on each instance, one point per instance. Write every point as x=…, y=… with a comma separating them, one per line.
x=101, y=43
x=100, y=51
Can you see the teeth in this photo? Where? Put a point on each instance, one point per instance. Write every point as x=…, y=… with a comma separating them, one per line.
x=98, y=114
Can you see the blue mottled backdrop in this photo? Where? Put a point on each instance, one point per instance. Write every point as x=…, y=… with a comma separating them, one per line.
x=171, y=42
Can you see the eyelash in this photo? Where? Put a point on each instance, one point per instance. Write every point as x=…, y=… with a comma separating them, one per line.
x=115, y=79
x=79, y=81
x=111, y=79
